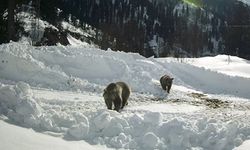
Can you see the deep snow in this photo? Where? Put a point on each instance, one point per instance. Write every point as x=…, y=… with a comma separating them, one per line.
x=26, y=139
x=58, y=91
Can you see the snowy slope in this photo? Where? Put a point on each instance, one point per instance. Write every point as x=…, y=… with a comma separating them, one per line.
x=206, y=79
x=58, y=91
x=40, y=32
x=230, y=65
x=26, y=139
x=29, y=22
x=75, y=42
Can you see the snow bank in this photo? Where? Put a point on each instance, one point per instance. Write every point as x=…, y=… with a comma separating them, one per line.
x=17, y=138
x=142, y=132
x=71, y=67
x=18, y=105
x=80, y=130
x=79, y=68
x=18, y=64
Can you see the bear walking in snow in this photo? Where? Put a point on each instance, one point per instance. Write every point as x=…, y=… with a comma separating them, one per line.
x=166, y=82
x=117, y=94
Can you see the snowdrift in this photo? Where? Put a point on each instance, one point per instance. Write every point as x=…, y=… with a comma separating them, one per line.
x=26, y=139
x=79, y=67
x=61, y=67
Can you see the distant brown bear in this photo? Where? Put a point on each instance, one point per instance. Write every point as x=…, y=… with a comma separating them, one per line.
x=166, y=82
x=118, y=94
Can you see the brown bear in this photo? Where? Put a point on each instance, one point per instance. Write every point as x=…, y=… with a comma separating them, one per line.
x=166, y=82
x=117, y=94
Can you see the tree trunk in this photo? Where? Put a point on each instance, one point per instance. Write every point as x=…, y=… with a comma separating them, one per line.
x=11, y=23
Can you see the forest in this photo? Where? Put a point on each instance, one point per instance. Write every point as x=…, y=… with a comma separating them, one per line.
x=149, y=27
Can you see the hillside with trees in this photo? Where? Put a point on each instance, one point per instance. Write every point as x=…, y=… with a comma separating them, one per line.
x=150, y=27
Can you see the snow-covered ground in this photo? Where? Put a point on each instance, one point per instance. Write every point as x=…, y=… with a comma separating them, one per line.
x=14, y=137
x=57, y=92
x=230, y=65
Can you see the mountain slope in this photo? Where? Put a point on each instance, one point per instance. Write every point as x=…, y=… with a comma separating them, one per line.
x=159, y=28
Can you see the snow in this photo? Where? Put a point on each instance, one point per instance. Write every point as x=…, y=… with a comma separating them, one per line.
x=245, y=1
x=57, y=91
x=75, y=42
x=167, y=108
x=244, y=146
x=73, y=29
x=26, y=139
x=210, y=79
x=80, y=130
x=33, y=26
x=230, y=65
x=150, y=140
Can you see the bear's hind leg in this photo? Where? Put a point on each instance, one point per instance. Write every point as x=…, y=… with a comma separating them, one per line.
x=118, y=103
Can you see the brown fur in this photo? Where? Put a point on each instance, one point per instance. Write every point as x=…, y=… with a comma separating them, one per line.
x=166, y=82
x=117, y=94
